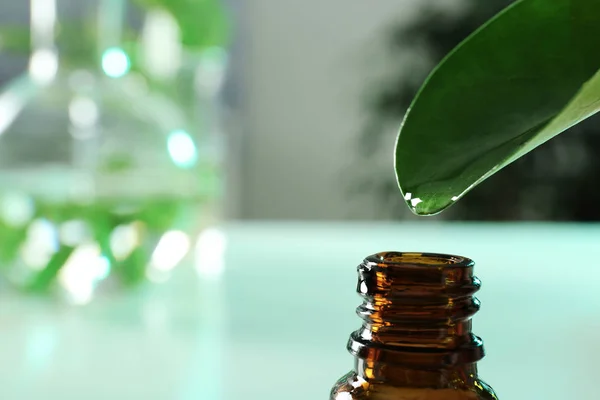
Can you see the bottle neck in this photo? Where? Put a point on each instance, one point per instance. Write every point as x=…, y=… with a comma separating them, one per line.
x=76, y=33
x=417, y=313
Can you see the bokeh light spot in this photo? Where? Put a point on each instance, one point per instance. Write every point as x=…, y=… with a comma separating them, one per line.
x=115, y=62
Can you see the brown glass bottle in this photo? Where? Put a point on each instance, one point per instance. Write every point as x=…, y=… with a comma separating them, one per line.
x=416, y=341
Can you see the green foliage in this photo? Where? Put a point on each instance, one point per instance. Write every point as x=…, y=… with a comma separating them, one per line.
x=523, y=78
x=154, y=216
x=203, y=23
x=15, y=39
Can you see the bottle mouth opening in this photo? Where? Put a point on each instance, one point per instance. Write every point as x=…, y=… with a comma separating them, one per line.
x=420, y=259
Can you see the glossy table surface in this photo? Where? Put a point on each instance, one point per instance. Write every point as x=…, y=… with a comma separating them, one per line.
x=268, y=316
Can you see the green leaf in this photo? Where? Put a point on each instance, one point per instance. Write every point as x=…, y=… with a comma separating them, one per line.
x=527, y=75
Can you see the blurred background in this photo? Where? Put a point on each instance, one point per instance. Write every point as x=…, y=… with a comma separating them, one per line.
x=310, y=109
x=174, y=174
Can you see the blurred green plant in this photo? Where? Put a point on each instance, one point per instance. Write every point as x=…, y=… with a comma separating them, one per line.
x=203, y=24
x=527, y=75
x=204, y=29
x=15, y=39
x=154, y=216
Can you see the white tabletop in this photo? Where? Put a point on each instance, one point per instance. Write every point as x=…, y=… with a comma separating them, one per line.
x=273, y=323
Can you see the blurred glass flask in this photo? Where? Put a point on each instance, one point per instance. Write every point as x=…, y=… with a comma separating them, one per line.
x=416, y=341
x=102, y=180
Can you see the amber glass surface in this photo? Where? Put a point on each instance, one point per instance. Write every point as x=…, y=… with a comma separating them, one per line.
x=416, y=341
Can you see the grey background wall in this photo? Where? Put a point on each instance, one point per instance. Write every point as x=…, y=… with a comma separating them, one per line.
x=306, y=67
